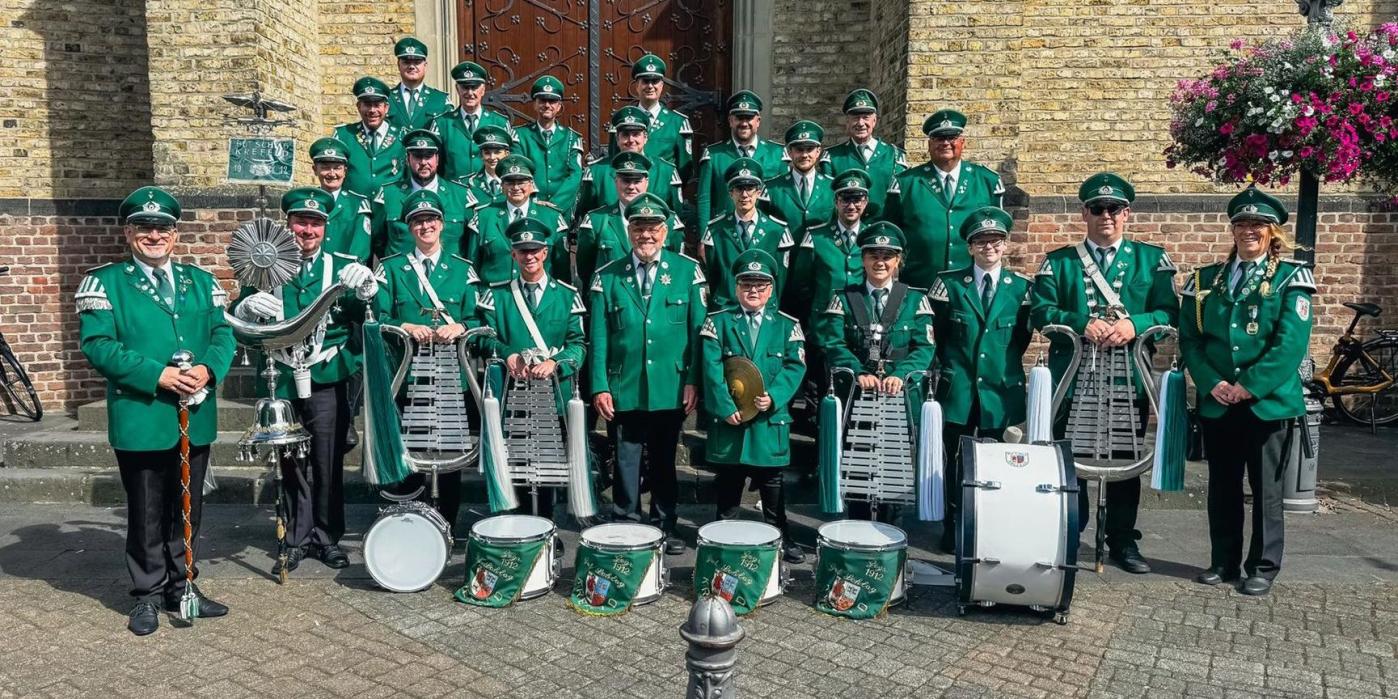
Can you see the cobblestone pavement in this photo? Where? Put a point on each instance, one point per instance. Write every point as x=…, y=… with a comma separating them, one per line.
x=328, y=633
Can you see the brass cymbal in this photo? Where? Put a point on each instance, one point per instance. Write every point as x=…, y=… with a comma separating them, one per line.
x=745, y=384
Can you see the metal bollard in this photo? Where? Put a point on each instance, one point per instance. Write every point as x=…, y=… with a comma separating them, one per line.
x=713, y=633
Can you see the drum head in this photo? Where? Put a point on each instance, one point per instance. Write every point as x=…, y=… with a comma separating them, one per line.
x=512, y=527
x=739, y=533
x=405, y=552
x=859, y=534
x=623, y=535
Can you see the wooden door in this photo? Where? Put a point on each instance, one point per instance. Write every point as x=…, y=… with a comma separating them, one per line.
x=590, y=45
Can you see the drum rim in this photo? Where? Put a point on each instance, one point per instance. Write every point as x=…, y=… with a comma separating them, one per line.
x=775, y=542
x=416, y=508
x=602, y=546
x=823, y=540
x=377, y=572
x=486, y=538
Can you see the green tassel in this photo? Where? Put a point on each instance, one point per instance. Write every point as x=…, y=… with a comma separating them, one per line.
x=830, y=439
x=1172, y=432
x=383, y=452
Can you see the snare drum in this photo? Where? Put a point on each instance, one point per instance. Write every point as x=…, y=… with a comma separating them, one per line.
x=509, y=557
x=740, y=562
x=860, y=567
x=406, y=549
x=1018, y=527
x=618, y=565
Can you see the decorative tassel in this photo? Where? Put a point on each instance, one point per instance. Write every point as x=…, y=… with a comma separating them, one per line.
x=383, y=458
x=1171, y=433
x=189, y=604
x=495, y=463
x=931, y=464
x=582, y=499
x=831, y=437
x=1039, y=415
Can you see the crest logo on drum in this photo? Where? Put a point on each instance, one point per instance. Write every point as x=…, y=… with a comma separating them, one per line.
x=597, y=589
x=1017, y=459
x=724, y=585
x=483, y=583
x=843, y=594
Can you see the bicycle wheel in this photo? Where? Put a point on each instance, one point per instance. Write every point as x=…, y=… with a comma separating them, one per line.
x=1353, y=371
x=19, y=391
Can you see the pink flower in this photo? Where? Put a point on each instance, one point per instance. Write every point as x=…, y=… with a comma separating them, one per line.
x=1210, y=106
x=1295, y=98
x=1236, y=44
x=1381, y=96
x=1306, y=151
x=1226, y=129
x=1356, y=108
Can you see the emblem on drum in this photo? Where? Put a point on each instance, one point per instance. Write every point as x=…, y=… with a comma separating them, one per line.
x=597, y=589
x=724, y=585
x=1018, y=459
x=843, y=594
x=483, y=583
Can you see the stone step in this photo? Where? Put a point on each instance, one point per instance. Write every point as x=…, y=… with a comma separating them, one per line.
x=233, y=416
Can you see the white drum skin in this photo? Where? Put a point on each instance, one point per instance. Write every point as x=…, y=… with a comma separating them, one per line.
x=625, y=536
x=406, y=550
x=859, y=535
x=507, y=530
x=739, y=533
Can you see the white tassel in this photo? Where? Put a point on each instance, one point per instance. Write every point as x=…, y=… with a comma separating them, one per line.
x=1039, y=415
x=931, y=464
x=499, y=467
x=580, y=498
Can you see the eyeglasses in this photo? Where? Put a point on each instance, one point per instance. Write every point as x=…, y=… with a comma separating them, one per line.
x=944, y=138
x=652, y=81
x=754, y=286
x=852, y=198
x=1110, y=210
x=746, y=188
x=988, y=243
x=154, y=232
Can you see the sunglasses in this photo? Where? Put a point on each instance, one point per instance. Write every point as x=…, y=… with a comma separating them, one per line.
x=652, y=81
x=1110, y=209
x=852, y=198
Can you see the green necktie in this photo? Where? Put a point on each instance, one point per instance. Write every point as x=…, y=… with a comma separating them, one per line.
x=880, y=297
x=754, y=326
x=803, y=189
x=645, y=278
x=163, y=286
x=987, y=291
x=471, y=123
x=412, y=99
x=427, y=266
x=514, y=215
x=1104, y=258
x=531, y=294
x=746, y=232
x=1246, y=272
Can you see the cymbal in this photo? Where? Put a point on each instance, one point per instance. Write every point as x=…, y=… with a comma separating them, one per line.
x=745, y=384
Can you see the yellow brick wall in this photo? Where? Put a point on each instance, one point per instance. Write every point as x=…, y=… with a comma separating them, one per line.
x=356, y=39
x=289, y=69
x=1057, y=90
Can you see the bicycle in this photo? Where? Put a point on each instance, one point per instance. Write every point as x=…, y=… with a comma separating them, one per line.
x=1360, y=378
x=19, y=392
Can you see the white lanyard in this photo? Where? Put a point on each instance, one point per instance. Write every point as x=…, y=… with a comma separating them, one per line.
x=427, y=288
x=528, y=317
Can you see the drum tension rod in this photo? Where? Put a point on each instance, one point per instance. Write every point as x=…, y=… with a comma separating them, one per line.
x=1055, y=566
x=987, y=561
x=988, y=485
x=1051, y=488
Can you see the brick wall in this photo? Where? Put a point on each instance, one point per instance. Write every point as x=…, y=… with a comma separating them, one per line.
x=819, y=50
x=356, y=39
x=289, y=69
x=888, y=63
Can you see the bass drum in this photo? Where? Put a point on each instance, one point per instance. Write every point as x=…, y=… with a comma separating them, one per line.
x=1018, y=529
x=406, y=550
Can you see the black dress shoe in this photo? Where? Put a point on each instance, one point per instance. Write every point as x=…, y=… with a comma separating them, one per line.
x=674, y=545
x=208, y=608
x=1257, y=586
x=791, y=553
x=1216, y=576
x=351, y=438
x=1129, y=559
x=293, y=560
x=144, y=618
x=333, y=556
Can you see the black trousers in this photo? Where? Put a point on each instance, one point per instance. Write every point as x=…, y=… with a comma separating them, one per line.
x=1123, y=496
x=155, y=518
x=951, y=443
x=658, y=434
x=316, y=486
x=1238, y=443
x=767, y=480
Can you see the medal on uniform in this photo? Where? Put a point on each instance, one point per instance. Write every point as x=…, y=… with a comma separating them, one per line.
x=665, y=280
x=1252, y=324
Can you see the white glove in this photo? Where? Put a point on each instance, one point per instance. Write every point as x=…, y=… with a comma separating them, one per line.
x=260, y=305
x=361, y=279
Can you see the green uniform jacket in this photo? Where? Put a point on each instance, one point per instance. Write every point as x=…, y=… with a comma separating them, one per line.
x=932, y=222
x=782, y=201
x=888, y=161
x=1216, y=344
x=370, y=169
x=1142, y=274
x=671, y=138
x=461, y=158
x=980, y=351
x=602, y=237
x=599, y=189
x=482, y=192
x=350, y=228
x=722, y=244
x=391, y=234
x=487, y=247
x=780, y=356
x=908, y=338
x=711, y=190
x=645, y=353
x=558, y=164
x=430, y=103
x=558, y=316
x=342, y=332
x=129, y=334
x=401, y=298
x=822, y=263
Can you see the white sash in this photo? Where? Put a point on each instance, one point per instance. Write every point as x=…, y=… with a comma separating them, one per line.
x=317, y=354
x=1095, y=274
x=427, y=288
x=528, y=316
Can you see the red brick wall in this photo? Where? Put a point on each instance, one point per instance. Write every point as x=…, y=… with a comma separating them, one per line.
x=1357, y=256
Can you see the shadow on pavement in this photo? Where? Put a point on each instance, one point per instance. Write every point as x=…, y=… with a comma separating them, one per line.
x=64, y=556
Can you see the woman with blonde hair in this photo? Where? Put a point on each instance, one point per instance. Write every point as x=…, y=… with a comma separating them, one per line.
x=1245, y=324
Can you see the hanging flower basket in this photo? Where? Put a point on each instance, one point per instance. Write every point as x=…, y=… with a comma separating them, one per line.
x=1325, y=101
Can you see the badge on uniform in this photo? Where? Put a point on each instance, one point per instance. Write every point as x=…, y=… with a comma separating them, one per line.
x=1303, y=307
x=1252, y=320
